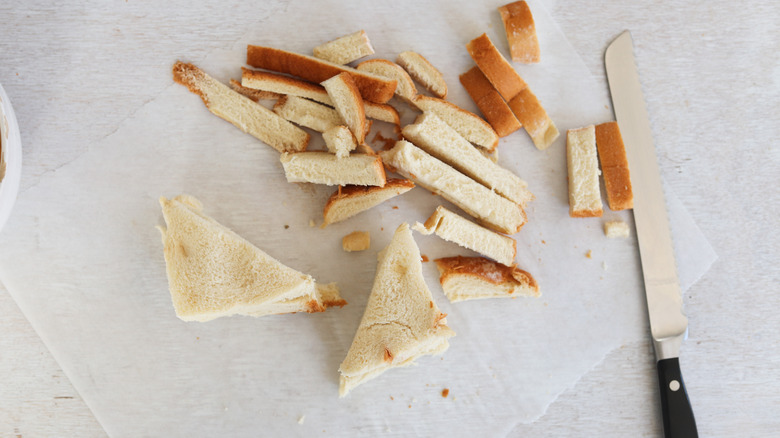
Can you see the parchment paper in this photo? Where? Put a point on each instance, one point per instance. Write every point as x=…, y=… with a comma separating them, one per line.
x=82, y=258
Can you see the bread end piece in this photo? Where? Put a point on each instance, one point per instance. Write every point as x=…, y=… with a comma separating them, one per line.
x=470, y=278
x=356, y=241
x=520, y=32
x=614, y=165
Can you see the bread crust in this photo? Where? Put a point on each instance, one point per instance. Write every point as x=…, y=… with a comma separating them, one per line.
x=532, y=115
x=391, y=70
x=520, y=32
x=490, y=102
x=251, y=93
x=485, y=270
x=614, y=166
x=372, y=87
x=495, y=67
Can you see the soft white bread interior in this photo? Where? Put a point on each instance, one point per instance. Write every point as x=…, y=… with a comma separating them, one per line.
x=492, y=105
x=431, y=134
x=454, y=228
x=356, y=241
x=242, y=112
x=490, y=209
x=326, y=168
x=520, y=32
x=614, y=164
x=401, y=322
x=467, y=124
x=471, y=278
x=423, y=72
x=251, y=93
x=305, y=112
x=583, y=168
x=214, y=272
x=350, y=200
x=615, y=229
x=390, y=70
x=495, y=67
x=346, y=98
x=346, y=49
x=339, y=140
x=532, y=115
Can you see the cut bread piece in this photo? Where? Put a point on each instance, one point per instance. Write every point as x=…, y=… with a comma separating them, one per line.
x=454, y=228
x=520, y=32
x=372, y=87
x=339, y=140
x=390, y=70
x=467, y=124
x=356, y=241
x=614, y=229
x=492, y=105
x=242, y=112
x=583, y=168
x=495, y=67
x=326, y=168
x=490, y=209
x=251, y=93
x=422, y=71
x=307, y=113
x=614, y=165
x=346, y=98
x=534, y=118
x=434, y=136
x=351, y=200
x=345, y=49
x=214, y=272
x=471, y=278
x=401, y=322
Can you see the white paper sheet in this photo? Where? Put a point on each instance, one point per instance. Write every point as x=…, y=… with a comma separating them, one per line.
x=82, y=258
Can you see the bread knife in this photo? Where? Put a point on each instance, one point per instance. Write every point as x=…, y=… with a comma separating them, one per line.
x=668, y=323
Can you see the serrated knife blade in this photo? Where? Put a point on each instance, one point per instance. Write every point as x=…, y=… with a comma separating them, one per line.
x=668, y=324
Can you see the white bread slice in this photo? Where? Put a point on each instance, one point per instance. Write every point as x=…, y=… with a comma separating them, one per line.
x=614, y=164
x=422, y=71
x=583, y=168
x=471, y=278
x=401, y=322
x=390, y=70
x=492, y=105
x=356, y=241
x=520, y=32
x=213, y=272
x=350, y=200
x=346, y=98
x=251, y=93
x=307, y=113
x=467, y=124
x=339, y=140
x=534, y=118
x=495, y=67
x=454, y=228
x=372, y=87
x=326, y=168
x=345, y=49
x=613, y=229
x=434, y=136
x=490, y=209
x=246, y=115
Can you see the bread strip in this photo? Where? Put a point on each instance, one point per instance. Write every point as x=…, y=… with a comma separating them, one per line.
x=470, y=278
x=614, y=164
x=345, y=49
x=520, y=32
x=251, y=93
x=489, y=208
x=434, y=136
x=306, y=113
x=467, y=124
x=422, y=71
x=326, y=168
x=583, y=168
x=495, y=67
x=454, y=228
x=339, y=140
x=492, y=105
x=534, y=118
x=348, y=201
x=246, y=115
x=346, y=98
x=391, y=70
x=372, y=88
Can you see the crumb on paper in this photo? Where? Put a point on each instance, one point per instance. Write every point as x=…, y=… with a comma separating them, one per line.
x=604, y=265
x=543, y=242
x=615, y=229
x=286, y=226
x=391, y=398
x=425, y=258
x=312, y=223
x=356, y=241
x=445, y=392
x=395, y=207
x=589, y=254
x=302, y=419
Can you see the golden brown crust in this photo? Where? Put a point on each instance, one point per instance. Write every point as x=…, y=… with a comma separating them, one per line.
x=189, y=75
x=520, y=32
x=614, y=166
x=532, y=115
x=484, y=269
x=586, y=213
x=495, y=67
x=372, y=87
x=490, y=102
x=254, y=95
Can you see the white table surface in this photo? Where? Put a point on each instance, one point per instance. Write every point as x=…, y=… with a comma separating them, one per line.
x=711, y=76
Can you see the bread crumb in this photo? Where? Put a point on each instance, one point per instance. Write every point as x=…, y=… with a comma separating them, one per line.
x=286, y=226
x=391, y=398
x=604, y=265
x=589, y=254
x=395, y=207
x=543, y=242
x=425, y=258
x=356, y=241
x=301, y=420
x=614, y=229
x=445, y=392
x=312, y=223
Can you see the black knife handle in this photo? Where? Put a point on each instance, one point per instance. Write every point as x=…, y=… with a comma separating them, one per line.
x=677, y=412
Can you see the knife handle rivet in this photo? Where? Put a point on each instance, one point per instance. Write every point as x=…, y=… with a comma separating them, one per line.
x=674, y=385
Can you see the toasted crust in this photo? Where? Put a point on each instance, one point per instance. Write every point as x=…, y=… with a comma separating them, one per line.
x=520, y=32
x=537, y=123
x=422, y=71
x=349, y=201
x=251, y=93
x=469, y=125
x=390, y=70
x=465, y=278
x=372, y=87
x=614, y=166
x=346, y=98
x=241, y=111
x=495, y=67
x=490, y=102
x=345, y=49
